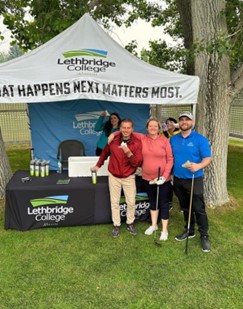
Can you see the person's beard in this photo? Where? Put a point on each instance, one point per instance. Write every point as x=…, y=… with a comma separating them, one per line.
x=186, y=129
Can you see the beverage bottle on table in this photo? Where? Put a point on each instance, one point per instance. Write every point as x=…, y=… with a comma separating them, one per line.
x=37, y=168
x=32, y=167
x=59, y=166
x=43, y=168
x=47, y=168
x=94, y=176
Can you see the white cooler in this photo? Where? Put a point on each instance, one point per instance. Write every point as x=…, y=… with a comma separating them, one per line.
x=80, y=166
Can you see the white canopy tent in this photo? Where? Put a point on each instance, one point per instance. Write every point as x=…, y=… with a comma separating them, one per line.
x=79, y=73
x=84, y=62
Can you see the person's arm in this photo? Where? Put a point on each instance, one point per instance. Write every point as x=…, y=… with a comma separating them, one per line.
x=169, y=161
x=126, y=150
x=103, y=156
x=138, y=135
x=99, y=126
x=205, y=154
x=135, y=155
x=194, y=167
x=112, y=136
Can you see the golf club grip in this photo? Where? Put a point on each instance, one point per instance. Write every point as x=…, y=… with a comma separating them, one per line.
x=158, y=172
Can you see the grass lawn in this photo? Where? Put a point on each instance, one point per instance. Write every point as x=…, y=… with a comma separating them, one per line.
x=84, y=267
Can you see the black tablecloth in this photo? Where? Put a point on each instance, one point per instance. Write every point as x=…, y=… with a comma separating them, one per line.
x=42, y=202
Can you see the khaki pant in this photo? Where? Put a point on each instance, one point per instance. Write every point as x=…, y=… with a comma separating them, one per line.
x=128, y=185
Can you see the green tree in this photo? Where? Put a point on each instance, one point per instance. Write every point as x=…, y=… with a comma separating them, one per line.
x=212, y=34
x=221, y=75
x=3, y=57
x=176, y=21
x=13, y=52
x=5, y=169
x=34, y=22
x=209, y=35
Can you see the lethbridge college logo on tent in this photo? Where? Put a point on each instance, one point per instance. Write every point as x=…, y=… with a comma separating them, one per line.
x=50, y=209
x=79, y=60
x=86, y=52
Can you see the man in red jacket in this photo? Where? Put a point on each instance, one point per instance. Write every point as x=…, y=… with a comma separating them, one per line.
x=125, y=153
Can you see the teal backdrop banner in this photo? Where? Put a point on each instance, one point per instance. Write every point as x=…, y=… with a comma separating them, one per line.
x=51, y=123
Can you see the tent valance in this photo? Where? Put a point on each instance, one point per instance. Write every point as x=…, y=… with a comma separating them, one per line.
x=84, y=62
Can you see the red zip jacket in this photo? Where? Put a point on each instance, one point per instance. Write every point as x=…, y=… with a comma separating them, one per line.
x=119, y=164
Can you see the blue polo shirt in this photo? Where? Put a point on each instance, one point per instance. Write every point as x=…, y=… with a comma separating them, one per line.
x=193, y=148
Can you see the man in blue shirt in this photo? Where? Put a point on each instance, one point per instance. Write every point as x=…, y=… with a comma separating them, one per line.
x=192, y=154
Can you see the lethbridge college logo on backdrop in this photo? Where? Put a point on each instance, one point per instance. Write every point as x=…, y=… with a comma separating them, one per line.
x=85, y=122
x=79, y=60
x=50, y=209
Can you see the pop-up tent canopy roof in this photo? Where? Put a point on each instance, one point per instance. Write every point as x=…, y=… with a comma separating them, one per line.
x=84, y=62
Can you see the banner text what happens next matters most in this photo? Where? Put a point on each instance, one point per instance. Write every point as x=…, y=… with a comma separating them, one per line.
x=84, y=86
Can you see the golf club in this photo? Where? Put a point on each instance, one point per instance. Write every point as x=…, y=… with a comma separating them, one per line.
x=189, y=214
x=156, y=209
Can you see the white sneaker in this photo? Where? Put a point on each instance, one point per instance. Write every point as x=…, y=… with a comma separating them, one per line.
x=150, y=230
x=164, y=236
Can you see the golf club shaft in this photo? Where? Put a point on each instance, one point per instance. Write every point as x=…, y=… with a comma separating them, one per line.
x=189, y=213
x=157, y=207
x=157, y=195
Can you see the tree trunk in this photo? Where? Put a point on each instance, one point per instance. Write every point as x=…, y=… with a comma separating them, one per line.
x=214, y=99
x=184, y=8
x=5, y=170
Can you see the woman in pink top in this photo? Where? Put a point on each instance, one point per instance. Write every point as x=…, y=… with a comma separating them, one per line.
x=157, y=155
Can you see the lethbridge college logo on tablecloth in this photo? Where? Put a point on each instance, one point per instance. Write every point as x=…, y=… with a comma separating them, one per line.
x=142, y=205
x=50, y=209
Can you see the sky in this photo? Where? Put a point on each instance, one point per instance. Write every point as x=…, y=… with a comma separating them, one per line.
x=4, y=45
x=140, y=31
